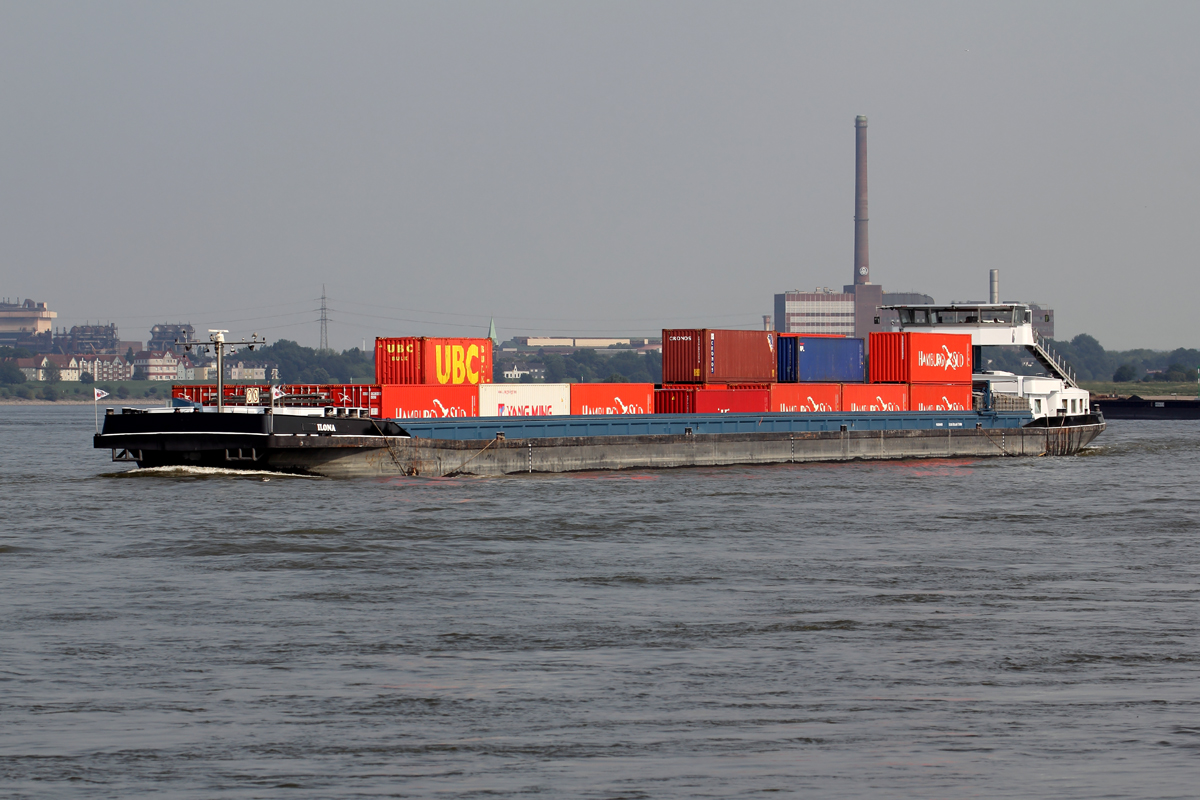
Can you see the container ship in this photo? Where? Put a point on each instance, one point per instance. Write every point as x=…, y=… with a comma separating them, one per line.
x=727, y=398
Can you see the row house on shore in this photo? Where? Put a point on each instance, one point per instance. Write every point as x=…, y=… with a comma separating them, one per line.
x=42, y=368
x=106, y=368
x=149, y=365
x=159, y=365
x=165, y=365
x=71, y=369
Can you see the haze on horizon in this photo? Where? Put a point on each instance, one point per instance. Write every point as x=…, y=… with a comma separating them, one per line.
x=604, y=168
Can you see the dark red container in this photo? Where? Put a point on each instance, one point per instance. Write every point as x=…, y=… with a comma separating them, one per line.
x=710, y=400
x=399, y=360
x=916, y=357
x=341, y=395
x=705, y=355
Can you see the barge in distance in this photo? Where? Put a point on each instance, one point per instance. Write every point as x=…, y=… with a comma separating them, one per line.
x=1013, y=416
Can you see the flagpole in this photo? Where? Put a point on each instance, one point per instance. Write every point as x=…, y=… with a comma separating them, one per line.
x=96, y=395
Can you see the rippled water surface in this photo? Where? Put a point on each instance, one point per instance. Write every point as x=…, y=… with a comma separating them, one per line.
x=987, y=628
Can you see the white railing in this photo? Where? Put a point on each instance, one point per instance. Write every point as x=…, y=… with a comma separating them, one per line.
x=1054, y=361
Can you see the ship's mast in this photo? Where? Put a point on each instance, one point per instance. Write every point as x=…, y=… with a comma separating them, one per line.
x=216, y=338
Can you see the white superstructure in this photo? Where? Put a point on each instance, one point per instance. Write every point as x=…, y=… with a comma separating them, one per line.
x=1005, y=324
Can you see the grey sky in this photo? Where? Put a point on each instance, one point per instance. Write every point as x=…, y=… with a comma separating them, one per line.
x=609, y=167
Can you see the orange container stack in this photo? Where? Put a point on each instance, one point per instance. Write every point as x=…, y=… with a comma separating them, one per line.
x=424, y=377
x=874, y=397
x=612, y=398
x=935, y=367
x=426, y=360
x=806, y=397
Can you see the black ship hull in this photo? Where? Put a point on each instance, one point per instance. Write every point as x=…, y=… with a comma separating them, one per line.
x=359, y=447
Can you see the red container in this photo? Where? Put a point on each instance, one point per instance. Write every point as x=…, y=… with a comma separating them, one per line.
x=939, y=397
x=398, y=360
x=612, y=398
x=920, y=357
x=710, y=400
x=427, y=360
x=704, y=355
x=875, y=396
x=791, y=398
x=303, y=395
x=430, y=402
x=675, y=400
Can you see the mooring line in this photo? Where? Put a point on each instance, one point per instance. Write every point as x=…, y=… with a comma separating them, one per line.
x=388, y=445
x=452, y=473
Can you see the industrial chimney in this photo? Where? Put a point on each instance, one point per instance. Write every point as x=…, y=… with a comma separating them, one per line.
x=994, y=286
x=862, y=260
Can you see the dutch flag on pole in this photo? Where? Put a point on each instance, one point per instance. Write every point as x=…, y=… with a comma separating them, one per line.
x=100, y=394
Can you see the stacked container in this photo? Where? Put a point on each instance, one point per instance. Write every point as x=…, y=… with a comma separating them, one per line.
x=821, y=359
x=875, y=397
x=704, y=356
x=426, y=360
x=612, y=398
x=425, y=377
x=939, y=397
x=935, y=366
x=909, y=357
x=817, y=398
x=311, y=395
x=711, y=400
x=429, y=402
x=524, y=399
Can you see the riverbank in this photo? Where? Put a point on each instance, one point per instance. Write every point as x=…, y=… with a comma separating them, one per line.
x=111, y=402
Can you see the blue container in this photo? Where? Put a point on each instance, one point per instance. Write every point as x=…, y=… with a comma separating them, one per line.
x=829, y=360
x=786, y=370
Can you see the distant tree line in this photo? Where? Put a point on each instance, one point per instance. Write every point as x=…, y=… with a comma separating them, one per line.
x=1092, y=362
x=305, y=365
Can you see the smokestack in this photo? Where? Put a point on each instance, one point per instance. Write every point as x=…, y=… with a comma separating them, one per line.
x=994, y=286
x=862, y=260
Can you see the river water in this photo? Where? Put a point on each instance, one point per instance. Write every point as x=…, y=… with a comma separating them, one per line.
x=968, y=628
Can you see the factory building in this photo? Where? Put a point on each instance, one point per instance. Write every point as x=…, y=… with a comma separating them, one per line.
x=819, y=311
x=87, y=339
x=826, y=311
x=855, y=310
x=27, y=324
x=163, y=337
